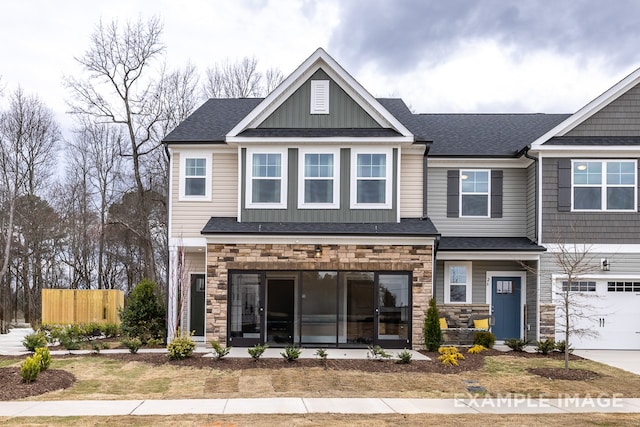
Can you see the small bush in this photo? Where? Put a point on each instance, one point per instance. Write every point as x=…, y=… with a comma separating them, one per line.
x=45, y=358
x=516, y=344
x=322, y=353
x=291, y=353
x=97, y=346
x=143, y=314
x=110, y=330
x=377, y=353
x=34, y=341
x=30, y=368
x=132, y=344
x=432, y=332
x=404, y=357
x=181, y=347
x=450, y=356
x=155, y=342
x=257, y=350
x=484, y=338
x=218, y=350
x=546, y=346
x=476, y=349
x=561, y=345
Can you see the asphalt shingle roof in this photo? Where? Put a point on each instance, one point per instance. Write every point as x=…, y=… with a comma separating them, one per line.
x=502, y=244
x=406, y=227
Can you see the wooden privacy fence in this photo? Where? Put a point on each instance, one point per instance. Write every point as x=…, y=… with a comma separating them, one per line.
x=65, y=306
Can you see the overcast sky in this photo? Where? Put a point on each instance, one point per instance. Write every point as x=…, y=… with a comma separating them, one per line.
x=439, y=56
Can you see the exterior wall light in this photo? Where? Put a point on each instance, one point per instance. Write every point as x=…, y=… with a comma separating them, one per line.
x=605, y=265
x=318, y=253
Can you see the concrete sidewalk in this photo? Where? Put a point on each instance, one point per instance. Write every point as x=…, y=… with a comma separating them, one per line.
x=463, y=405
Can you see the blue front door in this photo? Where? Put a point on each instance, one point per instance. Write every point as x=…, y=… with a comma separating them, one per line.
x=505, y=307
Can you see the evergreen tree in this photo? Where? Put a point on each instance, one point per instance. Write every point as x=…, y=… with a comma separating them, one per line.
x=432, y=331
x=143, y=316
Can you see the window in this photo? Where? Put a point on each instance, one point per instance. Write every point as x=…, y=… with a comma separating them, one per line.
x=319, y=183
x=604, y=185
x=474, y=193
x=623, y=286
x=195, y=177
x=371, y=178
x=457, y=282
x=319, y=97
x=266, y=179
x=579, y=286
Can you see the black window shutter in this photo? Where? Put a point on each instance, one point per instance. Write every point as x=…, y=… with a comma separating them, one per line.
x=496, y=194
x=453, y=194
x=564, y=185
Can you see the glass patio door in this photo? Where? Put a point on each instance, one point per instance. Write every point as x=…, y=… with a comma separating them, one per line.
x=246, y=310
x=393, y=310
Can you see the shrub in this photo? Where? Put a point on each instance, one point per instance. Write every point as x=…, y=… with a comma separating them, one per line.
x=544, y=347
x=111, y=330
x=218, y=350
x=45, y=358
x=484, y=338
x=377, y=353
x=34, y=341
x=155, y=342
x=561, y=346
x=133, y=344
x=450, y=356
x=52, y=332
x=432, y=331
x=291, y=353
x=30, y=368
x=181, y=347
x=257, y=350
x=476, y=349
x=143, y=314
x=516, y=344
x=404, y=357
x=97, y=346
x=322, y=353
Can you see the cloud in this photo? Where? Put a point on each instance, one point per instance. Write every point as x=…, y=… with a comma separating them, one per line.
x=399, y=34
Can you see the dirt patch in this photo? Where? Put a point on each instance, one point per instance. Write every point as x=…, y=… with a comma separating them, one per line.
x=50, y=380
x=565, y=374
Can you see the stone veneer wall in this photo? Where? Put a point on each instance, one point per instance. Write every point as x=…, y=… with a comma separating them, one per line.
x=224, y=257
x=547, y=321
x=458, y=314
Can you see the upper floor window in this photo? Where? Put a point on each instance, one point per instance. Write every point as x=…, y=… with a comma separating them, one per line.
x=371, y=178
x=266, y=178
x=474, y=193
x=195, y=177
x=457, y=282
x=604, y=185
x=319, y=185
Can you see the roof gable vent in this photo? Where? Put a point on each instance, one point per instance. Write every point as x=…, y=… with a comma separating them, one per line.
x=319, y=96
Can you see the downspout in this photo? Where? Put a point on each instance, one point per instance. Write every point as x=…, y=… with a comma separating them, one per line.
x=168, y=334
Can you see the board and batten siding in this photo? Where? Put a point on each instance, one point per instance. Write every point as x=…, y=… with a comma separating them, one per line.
x=411, y=185
x=344, y=112
x=620, y=118
x=188, y=218
x=514, y=207
x=581, y=227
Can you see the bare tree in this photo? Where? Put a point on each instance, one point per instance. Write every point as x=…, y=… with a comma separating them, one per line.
x=241, y=79
x=120, y=89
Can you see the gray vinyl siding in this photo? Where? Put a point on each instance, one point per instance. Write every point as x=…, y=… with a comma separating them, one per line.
x=620, y=264
x=343, y=214
x=479, y=278
x=619, y=118
x=514, y=207
x=344, y=112
x=581, y=227
x=531, y=322
x=531, y=202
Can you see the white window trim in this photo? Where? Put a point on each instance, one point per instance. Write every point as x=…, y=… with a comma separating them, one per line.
x=184, y=155
x=488, y=215
x=336, y=178
x=284, y=160
x=388, y=204
x=604, y=186
x=447, y=283
x=315, y=107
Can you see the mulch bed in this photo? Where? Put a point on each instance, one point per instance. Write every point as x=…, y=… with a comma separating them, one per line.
x=55, y=379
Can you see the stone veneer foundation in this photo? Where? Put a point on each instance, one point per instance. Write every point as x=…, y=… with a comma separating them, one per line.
x=547, y=321
x=224, y=257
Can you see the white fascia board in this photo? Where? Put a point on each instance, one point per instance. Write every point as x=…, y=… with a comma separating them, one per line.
x=279, y=95
x=321, y=240
x=214, y=148
x=474, y=162
x=187, y=242
x=598, y=248
x=588, y=110
x=326, y=140
x=582, y=151
x=485, y=256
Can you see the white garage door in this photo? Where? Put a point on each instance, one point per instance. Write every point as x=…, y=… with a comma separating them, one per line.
x=611, y=311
